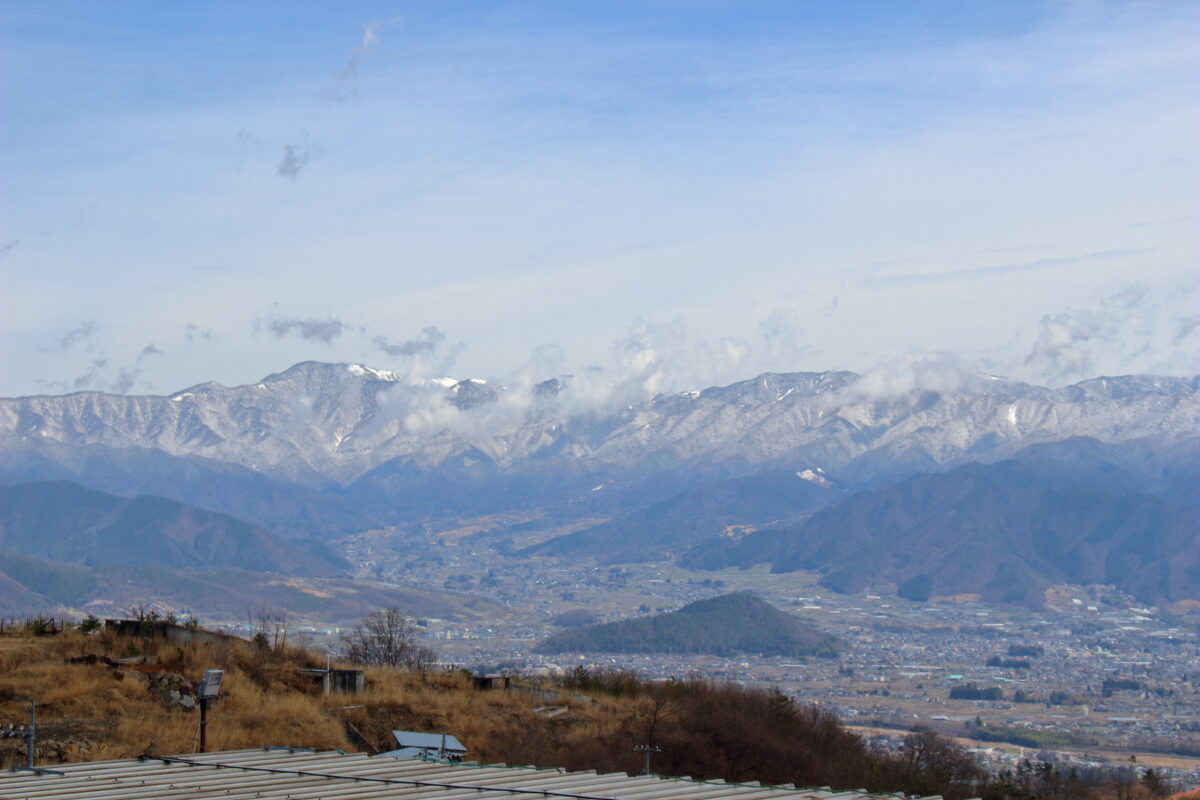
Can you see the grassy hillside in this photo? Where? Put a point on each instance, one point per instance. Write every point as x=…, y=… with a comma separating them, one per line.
x=92, y=711
x=734, y=623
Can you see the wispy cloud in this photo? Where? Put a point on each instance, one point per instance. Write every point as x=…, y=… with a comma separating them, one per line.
x=1187, y=326
x=91, y=376
x=77, y=336
x=149, y=350
x=125, y=380
x=295, y=159
x=312, y=329
x=345, y=80
x=1000, y=269
x=1126, y=330
x=193, y=333
x=429, y=339
x=427, y=355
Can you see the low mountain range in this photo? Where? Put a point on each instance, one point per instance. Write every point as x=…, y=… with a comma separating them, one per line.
x=31, y=586
x=63, y=545
x=725, y=625
x=63, y=521
x=1003, y=531
x=666, y=528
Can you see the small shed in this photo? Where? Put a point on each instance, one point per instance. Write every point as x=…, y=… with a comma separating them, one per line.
x=427, y=746
x=349, y=681
x=487, y=682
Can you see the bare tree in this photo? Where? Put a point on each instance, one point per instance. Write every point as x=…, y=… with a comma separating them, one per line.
x=423, y=659
x=388, y=638
x=934, y=760
x=271, y=626
x=273, y=623
x=143, y=611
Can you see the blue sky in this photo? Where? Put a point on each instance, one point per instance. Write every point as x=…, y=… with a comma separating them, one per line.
x=693, y=192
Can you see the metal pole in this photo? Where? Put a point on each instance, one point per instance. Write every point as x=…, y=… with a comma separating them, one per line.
x=203, y=724
x=648, y=749
x=32, y=730
x=30, y=733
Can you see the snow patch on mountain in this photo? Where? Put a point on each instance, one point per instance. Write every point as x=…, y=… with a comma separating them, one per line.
x=368, y=372
x=816, y=476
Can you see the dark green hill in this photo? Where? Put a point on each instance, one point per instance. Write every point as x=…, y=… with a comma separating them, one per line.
x=732, y=623
x=63, y=521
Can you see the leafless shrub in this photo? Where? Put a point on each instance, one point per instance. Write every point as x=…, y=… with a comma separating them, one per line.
x=388, y=638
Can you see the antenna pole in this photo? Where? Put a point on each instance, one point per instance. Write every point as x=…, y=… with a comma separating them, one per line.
x=203, y=724
x=647, y=749
x=26, y=732
x=32, y=732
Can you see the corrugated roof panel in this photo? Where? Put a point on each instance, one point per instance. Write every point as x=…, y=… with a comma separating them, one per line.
x=298, y=775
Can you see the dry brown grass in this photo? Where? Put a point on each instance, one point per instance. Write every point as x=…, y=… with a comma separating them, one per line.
x=90, y=711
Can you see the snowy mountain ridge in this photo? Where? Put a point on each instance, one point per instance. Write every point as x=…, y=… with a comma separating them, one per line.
x=319, y=422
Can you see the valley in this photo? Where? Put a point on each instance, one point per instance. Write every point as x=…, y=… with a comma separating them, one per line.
x=900, y=661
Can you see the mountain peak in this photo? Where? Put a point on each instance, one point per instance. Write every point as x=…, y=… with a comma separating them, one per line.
x=308, y=370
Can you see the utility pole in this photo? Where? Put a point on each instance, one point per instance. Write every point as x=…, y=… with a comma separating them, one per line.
x=203, y=724
x=32, y=740
x=648, y=749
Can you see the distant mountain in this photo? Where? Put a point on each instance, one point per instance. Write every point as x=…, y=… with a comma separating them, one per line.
x=288, y=509
x=384, y=448
x=734, y=623
x=1004, y=531
x=65, y=522
x=665, y=529
x=35, y=586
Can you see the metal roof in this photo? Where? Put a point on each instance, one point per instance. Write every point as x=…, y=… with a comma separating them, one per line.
x=279, y=774
x=429, y=741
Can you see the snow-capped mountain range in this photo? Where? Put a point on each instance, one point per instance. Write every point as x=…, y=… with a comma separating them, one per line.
x=317, y=423
x=331, y=450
